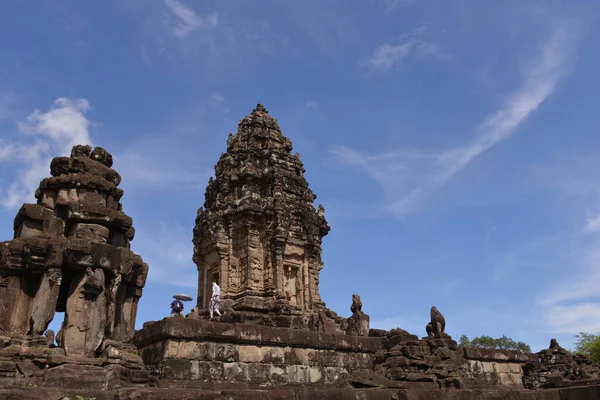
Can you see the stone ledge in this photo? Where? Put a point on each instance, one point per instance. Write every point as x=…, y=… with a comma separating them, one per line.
x=475, y=353
x=216, y=393
x=198, y=329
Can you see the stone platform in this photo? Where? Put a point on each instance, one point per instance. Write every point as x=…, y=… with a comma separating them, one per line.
x=576, y=393
x=28, y=361
x=196, y=352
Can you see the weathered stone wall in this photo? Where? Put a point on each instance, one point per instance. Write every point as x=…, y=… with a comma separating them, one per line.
x=187, y=349
x=28, y=361
x=439, y=363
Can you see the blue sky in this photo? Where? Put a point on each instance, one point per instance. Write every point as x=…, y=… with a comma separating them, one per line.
x=454, y=145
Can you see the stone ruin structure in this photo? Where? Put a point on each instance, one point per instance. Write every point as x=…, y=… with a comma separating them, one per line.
x=259, y=235
x=70, y=253
x=556, y=367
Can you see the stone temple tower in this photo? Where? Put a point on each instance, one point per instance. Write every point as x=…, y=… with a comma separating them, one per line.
x=259, y=233
x=71, y=254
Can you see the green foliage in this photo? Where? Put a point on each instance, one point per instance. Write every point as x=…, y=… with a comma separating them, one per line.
x=588, y=345
x=78, y=397
x=488, y=342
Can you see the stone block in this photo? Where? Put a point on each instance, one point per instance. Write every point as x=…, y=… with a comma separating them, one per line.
x=227, y=352
x=30, y=229
x=76, y=376
x=93, y=233
x=333, y=375
x=248, y=333
x=330, y=358
x=8, y=366
x=397, y=362
x=278, y=374
x=235, y=372
x=444, y=353
x=420, y=377
x=250, y=354
x=515, y=368
x=171, y=348
x=416, y=351
x=297, y=373
x=303, y=338
x=207, y=370
x=273, y=355
x=315, y=374
x=177, y=369
x=325, y=340
x=192, y=350
x=259, y=373
x=48, y=199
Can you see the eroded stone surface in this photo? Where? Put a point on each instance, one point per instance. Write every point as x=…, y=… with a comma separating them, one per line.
x=259, y=233
x=70, y=253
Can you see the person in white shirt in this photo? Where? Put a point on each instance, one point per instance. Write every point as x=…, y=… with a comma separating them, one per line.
x=215, y=300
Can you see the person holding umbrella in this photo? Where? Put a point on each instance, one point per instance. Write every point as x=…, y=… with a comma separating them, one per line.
x=177, y=305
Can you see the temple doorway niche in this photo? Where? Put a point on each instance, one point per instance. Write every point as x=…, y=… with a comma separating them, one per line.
x=212, y=266
x=291, y=285
x=212, y=273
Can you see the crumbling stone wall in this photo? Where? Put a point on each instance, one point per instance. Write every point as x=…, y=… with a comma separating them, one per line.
x=407, y=361
x=556, y=367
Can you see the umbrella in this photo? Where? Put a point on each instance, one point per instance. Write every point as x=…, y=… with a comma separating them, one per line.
x=182, y=297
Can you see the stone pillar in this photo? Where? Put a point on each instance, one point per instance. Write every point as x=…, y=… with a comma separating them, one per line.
x=279, y=272
x=10, y=295
x=44, y=304
x=111, y=309
x=24, y=295
x=85, y=318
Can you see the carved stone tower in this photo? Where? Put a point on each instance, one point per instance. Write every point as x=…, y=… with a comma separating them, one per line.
x=70, y=253
x=259, y=233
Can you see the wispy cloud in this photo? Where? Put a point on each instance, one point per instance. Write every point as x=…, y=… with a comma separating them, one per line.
x=408, y=177
x=42, y=136
x=571, y=305
x=150, y=166
x=393, y=5
x=390, y=55
x=183, y=20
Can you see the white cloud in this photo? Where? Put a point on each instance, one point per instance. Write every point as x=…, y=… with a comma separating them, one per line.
x=412, y=44
x=593, y=224
x=387, y=56
x=182, y=20
x=158, y=167
x=41, y=137
x=392, y=5
x=408, y=177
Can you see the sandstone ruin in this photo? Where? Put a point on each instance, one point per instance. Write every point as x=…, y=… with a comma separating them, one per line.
x=70, y=253
x=259, y=235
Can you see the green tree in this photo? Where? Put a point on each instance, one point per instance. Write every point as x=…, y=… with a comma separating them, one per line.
x=588, y=345
x=488, y=342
